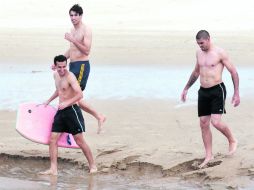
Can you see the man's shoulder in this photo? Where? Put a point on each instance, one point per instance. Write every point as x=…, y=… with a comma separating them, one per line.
x=87, y=29
x=219, y=49
x=70, y=76
x=86, y=26
x=220, y=52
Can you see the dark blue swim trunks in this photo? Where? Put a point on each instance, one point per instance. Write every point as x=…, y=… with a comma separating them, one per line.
x=81, y=70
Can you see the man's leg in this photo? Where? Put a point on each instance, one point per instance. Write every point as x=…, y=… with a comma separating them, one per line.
x=224, y=129
x=87, y=108
x=207, y=139
x=53, y=151
x=86, y=150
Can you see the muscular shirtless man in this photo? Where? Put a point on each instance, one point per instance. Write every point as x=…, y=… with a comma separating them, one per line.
x=211, y=61
x=80, y=39
x=68, y=117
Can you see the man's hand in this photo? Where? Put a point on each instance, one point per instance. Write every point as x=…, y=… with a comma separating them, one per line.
x=53, y=67
x=62, y=105
x=46, y=103
x=236, y=99
x=183, y=95
x=69, y=37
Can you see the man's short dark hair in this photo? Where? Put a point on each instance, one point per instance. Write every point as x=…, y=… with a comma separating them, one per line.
x=76, y=8
x=202, y=34
x=60, y=58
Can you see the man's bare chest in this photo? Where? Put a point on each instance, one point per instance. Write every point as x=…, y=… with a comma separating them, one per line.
x=78, y=35
x=62, y=85
x=209, y=60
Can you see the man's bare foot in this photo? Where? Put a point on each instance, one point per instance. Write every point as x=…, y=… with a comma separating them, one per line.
x=101, y=121
x=48, y=172
x=93, y=170
x=232, y=147
x=205, y=162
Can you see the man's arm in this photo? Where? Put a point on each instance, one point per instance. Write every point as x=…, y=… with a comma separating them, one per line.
x=67, y=54
x=194, y=76
x=235, y=78
x=84, y=46
x=54, y=95
x=78, y=95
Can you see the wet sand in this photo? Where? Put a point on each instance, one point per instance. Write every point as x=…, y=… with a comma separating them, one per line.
x=23, y=170
x=152, y=133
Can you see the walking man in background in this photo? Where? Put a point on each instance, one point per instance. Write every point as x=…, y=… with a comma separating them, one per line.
x=211, y=61
x=80, y=39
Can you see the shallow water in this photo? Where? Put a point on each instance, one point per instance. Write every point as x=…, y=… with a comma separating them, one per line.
x=18, y=172
x=35, y=83
x=21, y=173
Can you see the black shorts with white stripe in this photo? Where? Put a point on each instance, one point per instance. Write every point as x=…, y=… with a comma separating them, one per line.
x=212, y=100
x=69, y=120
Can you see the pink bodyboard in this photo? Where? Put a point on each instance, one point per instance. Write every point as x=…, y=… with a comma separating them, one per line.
x=34, y=122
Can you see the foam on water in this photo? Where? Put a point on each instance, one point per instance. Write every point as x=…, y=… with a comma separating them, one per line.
x=112, y=82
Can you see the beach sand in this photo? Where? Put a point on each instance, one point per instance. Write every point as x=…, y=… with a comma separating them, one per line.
x=153, y=133
x=143, y=132
x=139, y=133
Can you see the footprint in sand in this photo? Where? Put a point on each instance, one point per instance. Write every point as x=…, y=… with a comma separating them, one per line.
x=106, y=152
x=189, y=166
x=102, y=152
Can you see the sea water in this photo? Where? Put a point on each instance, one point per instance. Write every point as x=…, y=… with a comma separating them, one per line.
x=34, y=83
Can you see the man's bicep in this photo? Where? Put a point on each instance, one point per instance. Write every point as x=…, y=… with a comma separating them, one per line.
x=227, y=63
x=196, y=69
x=88, y=38
x=67, y=54
x=74, y=84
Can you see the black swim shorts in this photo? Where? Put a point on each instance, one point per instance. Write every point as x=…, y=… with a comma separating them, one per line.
x=81, y=70
x=212, y=100
x=69, y=120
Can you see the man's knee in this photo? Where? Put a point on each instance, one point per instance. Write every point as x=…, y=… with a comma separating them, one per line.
x=204, y=122
x=216, y=123
x=53, y=139
x=216, y=120
x=79, y=140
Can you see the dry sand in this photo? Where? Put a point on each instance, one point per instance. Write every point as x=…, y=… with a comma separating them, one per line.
x=39, y=46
